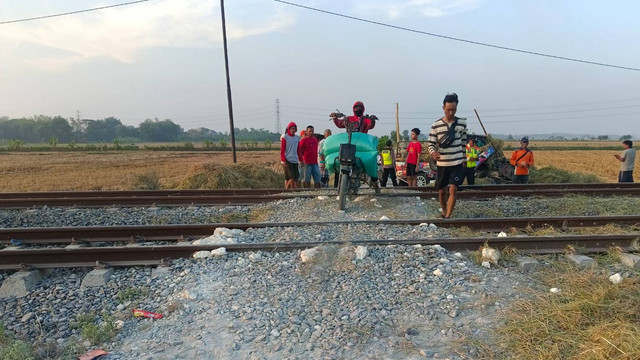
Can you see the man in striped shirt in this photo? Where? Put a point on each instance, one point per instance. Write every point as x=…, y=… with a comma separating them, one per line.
x=447, y=141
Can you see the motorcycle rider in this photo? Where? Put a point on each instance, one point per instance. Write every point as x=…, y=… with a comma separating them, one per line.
x=366, y=123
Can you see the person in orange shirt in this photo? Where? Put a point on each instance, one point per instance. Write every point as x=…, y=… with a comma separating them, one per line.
x=522, y=159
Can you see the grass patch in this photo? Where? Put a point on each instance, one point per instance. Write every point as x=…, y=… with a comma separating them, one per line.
x=131, y=294
x=237, y=176
x=96, y=329
x=13, y=349
x=552, y=174
x=150, y=180
x=590, y=318
x=235, y=217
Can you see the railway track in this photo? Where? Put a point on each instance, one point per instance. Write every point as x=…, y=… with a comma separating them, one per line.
x=16, y=258
x=179, y=232
x=18, y=200
x=154, y=255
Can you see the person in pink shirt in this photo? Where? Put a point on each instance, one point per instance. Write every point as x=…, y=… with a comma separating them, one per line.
x=413, y=157
x=308, y=149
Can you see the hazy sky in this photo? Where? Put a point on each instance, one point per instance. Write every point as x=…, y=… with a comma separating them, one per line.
x=164, y=59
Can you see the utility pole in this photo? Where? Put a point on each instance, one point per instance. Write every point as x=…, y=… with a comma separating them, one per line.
x=397, y=129
x=226, y=66
x=278, y=116
x=78, y=116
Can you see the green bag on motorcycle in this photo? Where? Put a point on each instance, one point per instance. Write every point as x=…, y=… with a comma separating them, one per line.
x=366, y=151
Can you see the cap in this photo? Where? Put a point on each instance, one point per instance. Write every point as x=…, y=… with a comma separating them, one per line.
x=524, y=139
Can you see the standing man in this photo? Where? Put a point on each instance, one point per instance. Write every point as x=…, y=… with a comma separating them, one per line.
x=413, y=158
x=447, y=138
x=472, y=153
x=628, y=158
x=309, y=158
x=522, y=159
x=303, y=134
x=388, y=165
x=324, y=173
x=289, y=156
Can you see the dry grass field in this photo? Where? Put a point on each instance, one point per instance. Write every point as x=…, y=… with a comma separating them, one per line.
x=58, y=171
x=597, y=162
x=566, y=144
x=54, y=171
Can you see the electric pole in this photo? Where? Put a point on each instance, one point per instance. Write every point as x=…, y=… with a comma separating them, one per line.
x=397, y=129
x=278, y=116
x=226, y=66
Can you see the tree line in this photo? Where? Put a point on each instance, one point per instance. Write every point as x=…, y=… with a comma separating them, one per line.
x=47, y=129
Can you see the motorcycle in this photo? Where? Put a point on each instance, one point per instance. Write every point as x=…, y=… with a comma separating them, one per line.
x=352, y=170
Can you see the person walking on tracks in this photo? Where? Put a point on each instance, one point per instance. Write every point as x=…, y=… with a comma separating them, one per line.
x=522, y=159
x=388, y=165
x=447, y=139
x=289, y=156
x=472, y=153
x=628, y=158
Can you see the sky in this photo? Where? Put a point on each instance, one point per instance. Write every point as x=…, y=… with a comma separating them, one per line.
x=164, y=59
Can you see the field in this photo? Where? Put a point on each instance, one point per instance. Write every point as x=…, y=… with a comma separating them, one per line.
x=598, y=162
x=51, y=171
x=112, y=170
x=541, y=144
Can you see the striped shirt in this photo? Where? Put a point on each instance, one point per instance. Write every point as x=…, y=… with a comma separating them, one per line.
x=455, y=153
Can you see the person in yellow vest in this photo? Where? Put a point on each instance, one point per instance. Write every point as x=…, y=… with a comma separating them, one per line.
x=469, y=171
x=522, y=159
x=388, y=165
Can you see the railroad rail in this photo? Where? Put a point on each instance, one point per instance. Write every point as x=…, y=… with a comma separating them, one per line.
x=256, y=196
x=152, y=255
x=183, y=232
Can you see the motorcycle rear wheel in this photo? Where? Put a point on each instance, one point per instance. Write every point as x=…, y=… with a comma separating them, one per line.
x=344, y=189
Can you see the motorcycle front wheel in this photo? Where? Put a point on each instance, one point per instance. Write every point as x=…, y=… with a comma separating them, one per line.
x=344, y=189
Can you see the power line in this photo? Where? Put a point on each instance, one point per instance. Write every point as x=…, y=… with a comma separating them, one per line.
x=563, y=112
x=458, y=39
x=71, y=12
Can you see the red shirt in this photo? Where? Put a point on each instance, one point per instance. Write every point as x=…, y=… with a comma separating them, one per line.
x=413, y=151
x=308, y=148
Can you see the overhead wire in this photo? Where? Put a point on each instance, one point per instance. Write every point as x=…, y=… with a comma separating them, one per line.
x=458, y=39
x=72, y=12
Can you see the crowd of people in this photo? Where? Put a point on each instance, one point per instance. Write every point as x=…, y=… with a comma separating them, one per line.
x=456, y=157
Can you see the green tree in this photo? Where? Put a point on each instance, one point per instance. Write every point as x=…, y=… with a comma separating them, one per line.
x=405, y=135
x=626, y=137
x=382, y=142
x=53, y=142
x=156, y=130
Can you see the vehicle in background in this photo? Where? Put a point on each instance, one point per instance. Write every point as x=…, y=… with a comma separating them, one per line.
x=425, y=173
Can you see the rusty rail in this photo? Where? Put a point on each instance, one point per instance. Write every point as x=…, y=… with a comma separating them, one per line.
x=177, y=232
x=249, y=197
x=148, y=255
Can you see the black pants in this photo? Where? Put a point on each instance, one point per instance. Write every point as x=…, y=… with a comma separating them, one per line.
x=469, y=173
x=386, y=172
x=520, y=179
x=625, y=176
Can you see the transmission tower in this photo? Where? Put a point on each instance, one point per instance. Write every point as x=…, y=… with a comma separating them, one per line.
x=278, y=129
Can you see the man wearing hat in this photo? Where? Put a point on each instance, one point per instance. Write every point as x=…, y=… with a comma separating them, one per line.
x=522, y=159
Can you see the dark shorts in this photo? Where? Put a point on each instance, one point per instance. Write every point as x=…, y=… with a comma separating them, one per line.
x=625, y=176
x=449, y=175
x=291, y=171
x=411, y=170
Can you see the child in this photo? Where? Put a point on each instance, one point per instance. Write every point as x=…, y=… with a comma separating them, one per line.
x=413, y=157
